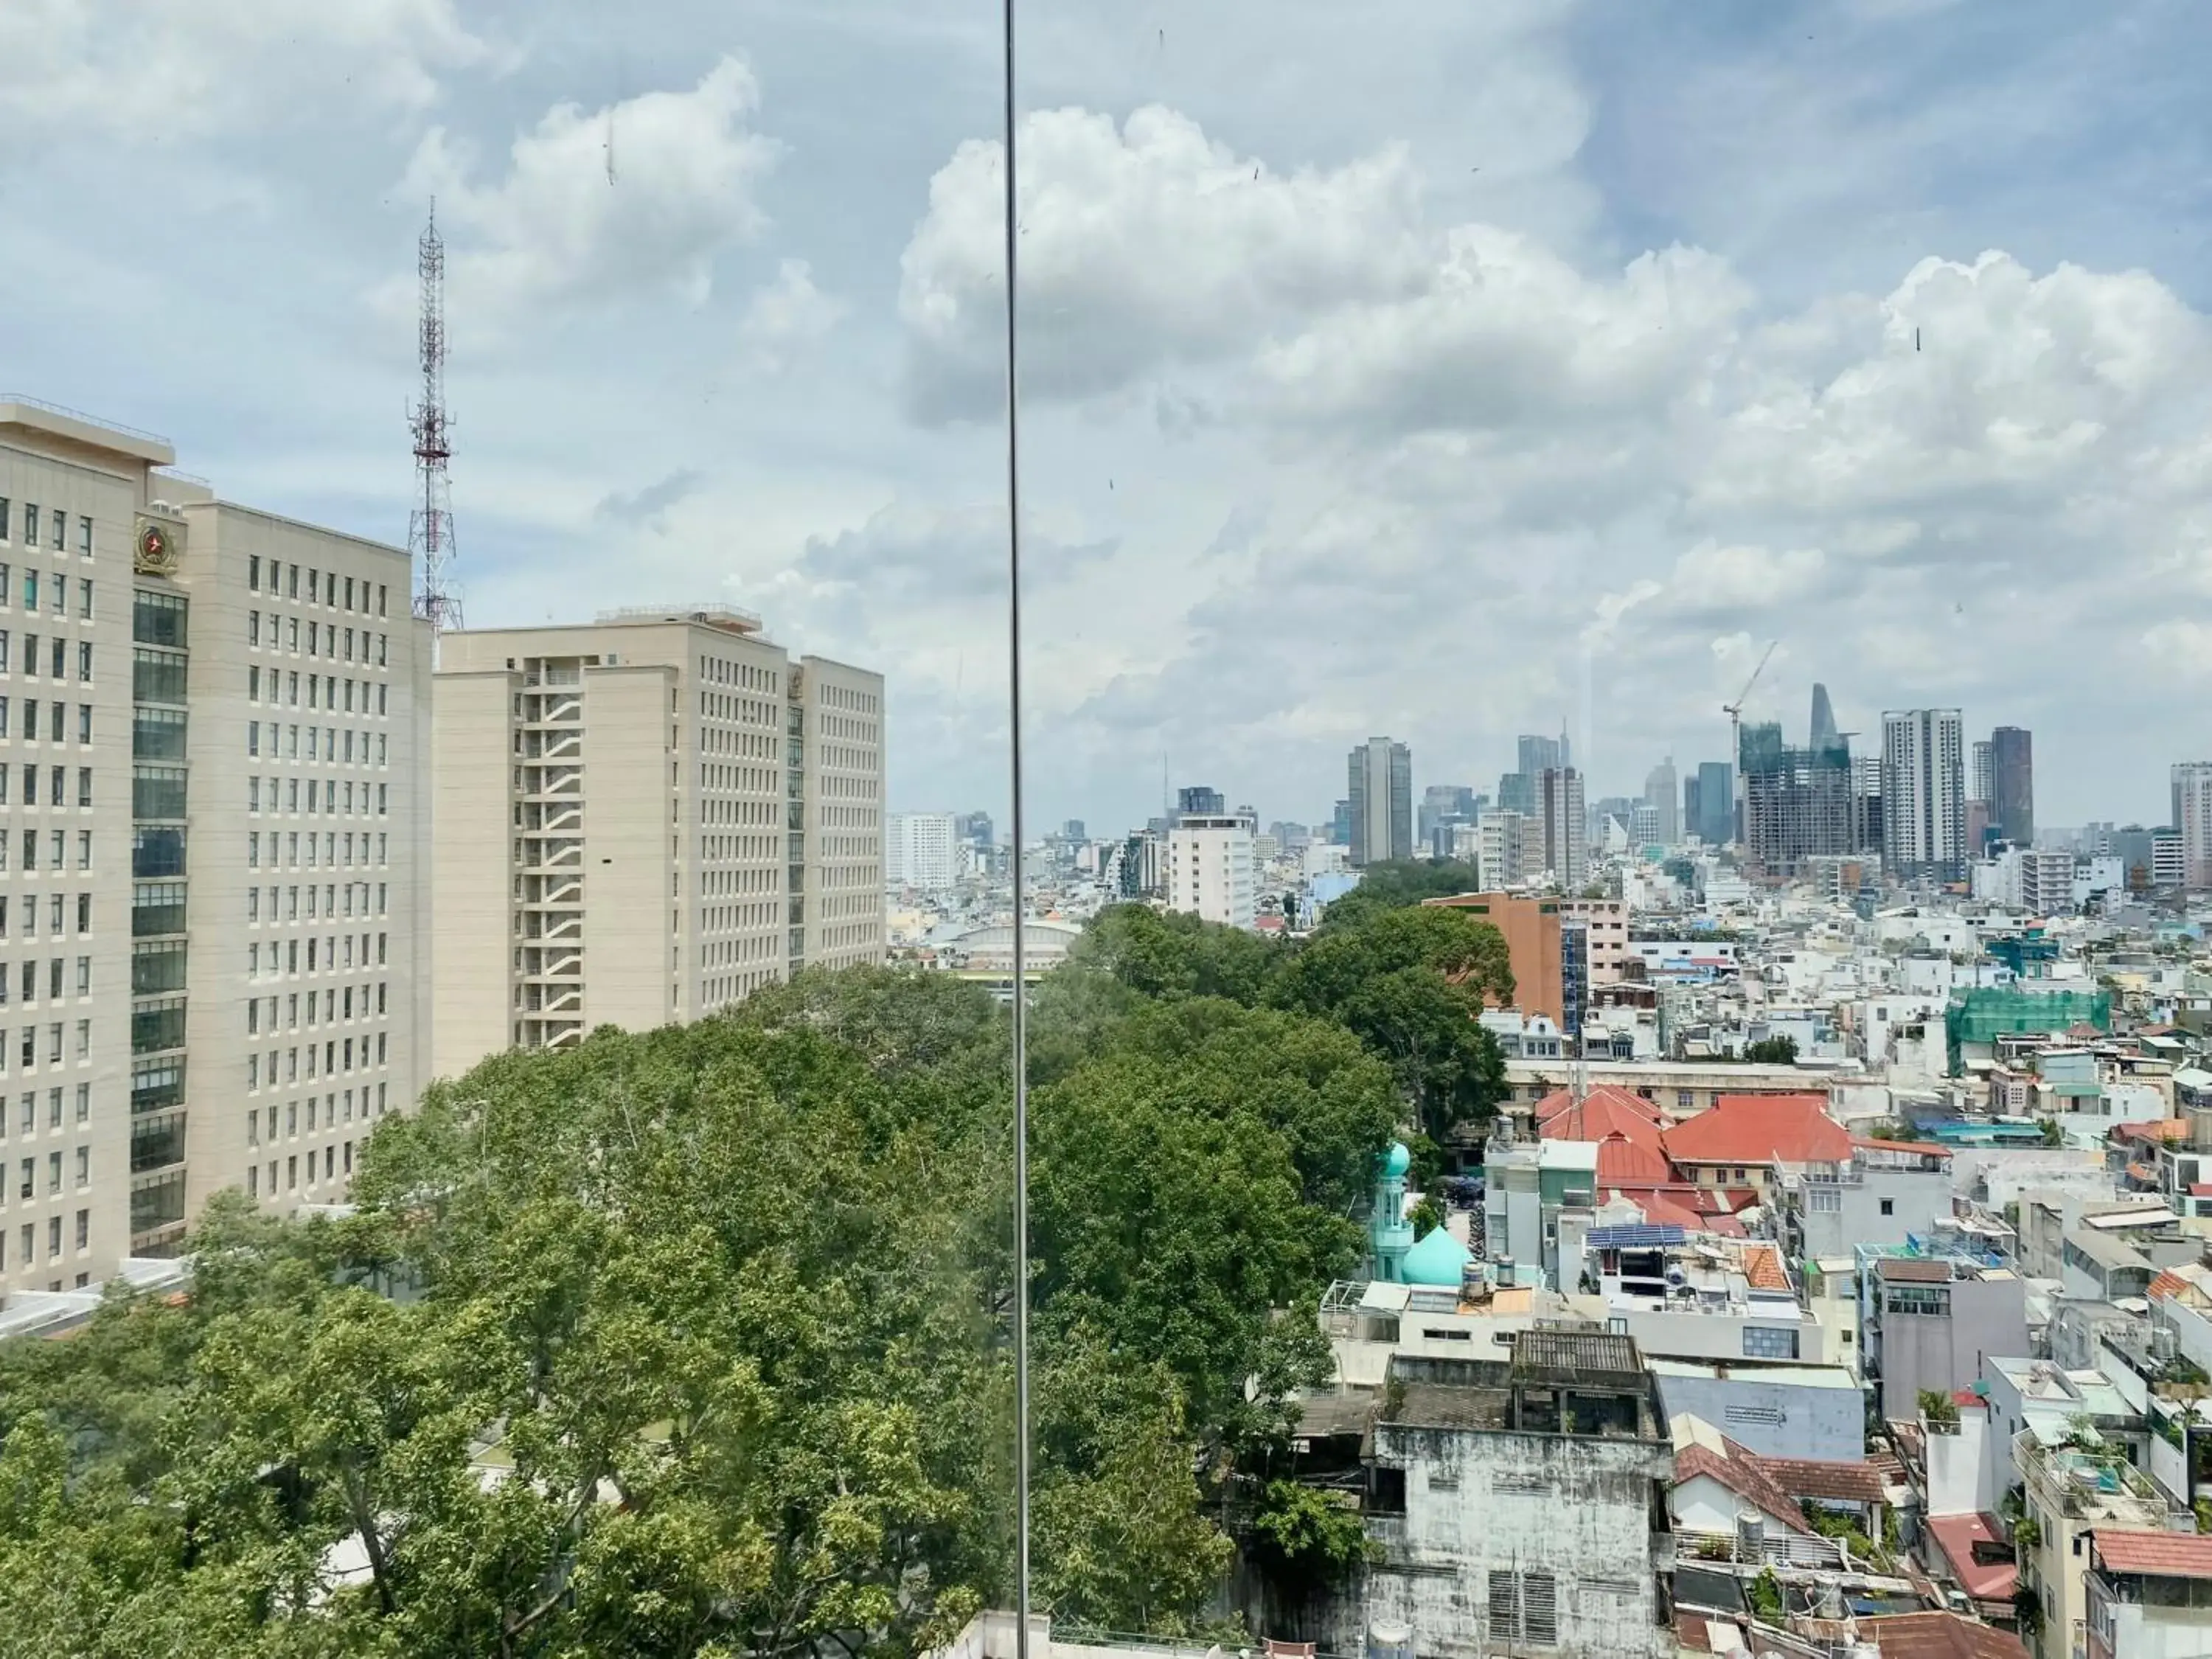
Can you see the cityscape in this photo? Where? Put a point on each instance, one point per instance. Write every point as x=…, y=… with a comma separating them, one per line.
x=931, y=832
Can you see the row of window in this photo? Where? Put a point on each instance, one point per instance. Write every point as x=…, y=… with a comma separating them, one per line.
x=323, y=950
x=324, y=639
x=337, y=1055
x=53, y=589
x=27, y=1252
x=27, y=1122
x=329, y=799
x=323, y=588
x=287, y=853
x=280, y=956
x=50, y=531
x=29, y=911
x=57, y=788
x=27, y=1047
x=289, y=909
x=27, y=974
x=283, y=687
x=292, y=1172
x=57, y=847
x=329, y=1107
x=57, y=720
x=322, y=744
x=27, y=1184
x=55, y=657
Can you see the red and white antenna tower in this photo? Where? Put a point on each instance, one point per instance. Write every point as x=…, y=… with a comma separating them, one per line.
x=431, y=525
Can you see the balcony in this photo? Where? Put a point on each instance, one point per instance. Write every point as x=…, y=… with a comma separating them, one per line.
x=2089, y=1479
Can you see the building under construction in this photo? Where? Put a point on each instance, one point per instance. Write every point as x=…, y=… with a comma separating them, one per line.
x=1798, y=804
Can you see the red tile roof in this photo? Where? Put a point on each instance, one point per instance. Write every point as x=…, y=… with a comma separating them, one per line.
x=2160, y=1554
x=1761, y=1129
x=1740, y=1473
x=1606, y=1110
x=1939, y=1635
x=1839, y=1480
x=1620, y=1159
x=2168, y=1283
x=1763, y=1269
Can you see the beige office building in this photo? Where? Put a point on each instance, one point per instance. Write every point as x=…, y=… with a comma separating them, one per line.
x=212, y=937
x=641, y=820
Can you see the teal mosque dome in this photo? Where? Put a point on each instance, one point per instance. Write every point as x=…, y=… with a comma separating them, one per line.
x=1438, y=1259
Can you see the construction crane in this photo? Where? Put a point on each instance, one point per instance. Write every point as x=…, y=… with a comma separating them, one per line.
x=1734, y=712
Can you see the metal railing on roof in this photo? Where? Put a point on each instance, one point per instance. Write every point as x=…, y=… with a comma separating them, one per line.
x=100, y=421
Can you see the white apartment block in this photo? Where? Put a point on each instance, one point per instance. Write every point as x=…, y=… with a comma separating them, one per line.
x=1211, y=868
x=1924, y=794
x=215, y=933
x=645, y=819
x=1504, y=849
x=922, y=850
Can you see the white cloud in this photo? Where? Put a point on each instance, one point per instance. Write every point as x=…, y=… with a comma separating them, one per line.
x=1142, y=248
x=635, y=197
x=785, y=316
x=149, y=70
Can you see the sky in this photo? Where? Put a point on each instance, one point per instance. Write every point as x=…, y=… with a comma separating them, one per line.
x=1440, y=371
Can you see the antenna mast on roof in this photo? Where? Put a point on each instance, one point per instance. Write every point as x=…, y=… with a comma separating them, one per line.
x=430, y=524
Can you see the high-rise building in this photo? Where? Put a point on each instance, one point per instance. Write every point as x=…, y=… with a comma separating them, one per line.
x=1339, y=824
x=1211, y=867
x=921, y=849
x=208, y=856
x=1562, y=826
x=1866, y=803
x=2012, y=785
x=1516, y=793
x=641, y=820
x=1924, y=794
x=2192, y=821
x=1380, y=774
x=1207, y=803
x=1715, y=821
x=1822, y=734
x=1659, y=790
x=1981, y=779
x=1141, y=871
x=1502, y=848
x=1797, y=803
x=974, y=829
x=1541, y=754
x=1443, y=807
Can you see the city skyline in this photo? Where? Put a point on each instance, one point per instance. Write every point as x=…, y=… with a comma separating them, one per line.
x=774, y=329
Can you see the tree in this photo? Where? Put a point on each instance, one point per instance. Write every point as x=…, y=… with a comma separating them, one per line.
x=1779, y=1050
x=1409, y=983
x=1397, y=883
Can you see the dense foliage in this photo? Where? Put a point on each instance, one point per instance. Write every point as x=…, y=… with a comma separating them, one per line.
x=696, y=1341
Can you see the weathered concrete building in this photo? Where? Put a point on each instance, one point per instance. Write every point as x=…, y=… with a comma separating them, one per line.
x=1515, y=1505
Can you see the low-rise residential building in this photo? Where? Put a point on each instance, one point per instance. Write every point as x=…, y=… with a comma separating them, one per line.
x=1930, y=1322
x=1511, y=1508
x=2149, y=1596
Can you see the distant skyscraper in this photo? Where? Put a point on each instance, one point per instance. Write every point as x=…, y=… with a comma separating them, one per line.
x=1381, y=775
x=1715, y=824
x=1562, y=825
x=1923, y=792
x=1339, y=824
x=1444, y=807
x=1537, y=754
x=1823, y=734
x=1516, y=793
x=1200, y=799
x=1071, y=830
x=1981, y=777
x=2012, y=784
x=2192, y=820
x=1503, y=854
x=974, y=829
x=1659, y=790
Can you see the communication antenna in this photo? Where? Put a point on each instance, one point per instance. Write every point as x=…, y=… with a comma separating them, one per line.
x=430, y=524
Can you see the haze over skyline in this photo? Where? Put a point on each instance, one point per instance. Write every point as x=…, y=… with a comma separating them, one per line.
x=1378, y=377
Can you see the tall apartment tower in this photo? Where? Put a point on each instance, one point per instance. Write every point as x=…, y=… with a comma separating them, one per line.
x=1562, y=826
x=217, y=938
x=1924, y=794
x=644, y=820
x=922, y=849
x=2012, y=784
x=2192, y=823
x=1380, y=774
x=1665, y=802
